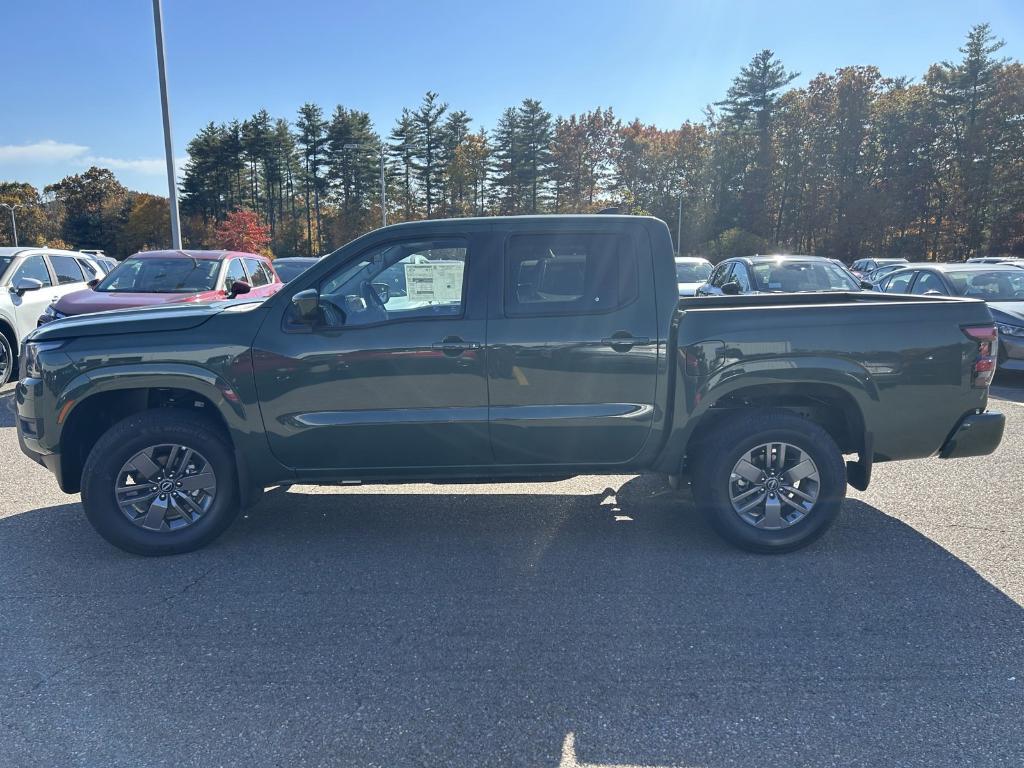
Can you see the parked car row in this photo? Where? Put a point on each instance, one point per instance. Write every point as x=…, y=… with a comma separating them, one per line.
x=46, y=284
x=32, y=279
x=1000, y=285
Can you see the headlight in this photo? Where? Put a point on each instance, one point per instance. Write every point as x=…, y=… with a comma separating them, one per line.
x=30, y=351
x=1010, y=330
x=52, y=313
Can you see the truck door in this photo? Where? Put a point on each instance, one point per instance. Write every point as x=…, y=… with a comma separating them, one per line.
x=392, y=374
x=572, y=347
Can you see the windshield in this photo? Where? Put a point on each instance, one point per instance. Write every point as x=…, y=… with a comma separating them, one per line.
x=168, y=275
x=990, y=285
x=693, y=273
x=800, y=276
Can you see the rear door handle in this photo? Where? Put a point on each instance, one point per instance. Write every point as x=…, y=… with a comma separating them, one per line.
x=454, y=346
x=623, y=342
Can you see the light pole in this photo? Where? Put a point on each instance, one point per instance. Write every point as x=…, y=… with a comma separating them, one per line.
x=14, y=224
x=172, y=184
x=383, y=181
x=679, y=228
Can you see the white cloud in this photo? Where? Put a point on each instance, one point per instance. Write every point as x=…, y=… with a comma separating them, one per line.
x=147, y=166
x=73, y=158
x=47, y=151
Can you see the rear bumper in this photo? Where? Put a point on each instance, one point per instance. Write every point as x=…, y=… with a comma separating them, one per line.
x=977, y=434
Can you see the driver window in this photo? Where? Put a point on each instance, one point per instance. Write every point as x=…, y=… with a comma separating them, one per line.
x=234, y=272
x=33, y=267
x=721, y=275
x=928, y=281
x=739, y=275
x=398, y=281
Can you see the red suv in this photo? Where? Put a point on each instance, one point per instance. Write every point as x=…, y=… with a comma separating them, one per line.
x=163, y=277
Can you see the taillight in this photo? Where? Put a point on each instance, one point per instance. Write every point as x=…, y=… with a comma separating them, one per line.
x=984, y=367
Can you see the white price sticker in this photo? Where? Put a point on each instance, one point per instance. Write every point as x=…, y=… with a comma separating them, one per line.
x=434, y=281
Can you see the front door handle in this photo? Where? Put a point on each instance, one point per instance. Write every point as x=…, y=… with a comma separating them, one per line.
x=454, y=346
x=623, y=342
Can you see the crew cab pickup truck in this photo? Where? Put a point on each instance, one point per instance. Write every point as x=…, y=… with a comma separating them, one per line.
x=524, y=348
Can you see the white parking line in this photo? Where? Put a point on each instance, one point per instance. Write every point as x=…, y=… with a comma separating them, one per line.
x=569, y=759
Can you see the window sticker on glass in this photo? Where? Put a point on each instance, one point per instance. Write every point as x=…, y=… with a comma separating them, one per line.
x=435, y=281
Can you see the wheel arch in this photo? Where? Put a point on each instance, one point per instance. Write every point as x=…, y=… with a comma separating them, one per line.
x=95, y=401
x=839, y=410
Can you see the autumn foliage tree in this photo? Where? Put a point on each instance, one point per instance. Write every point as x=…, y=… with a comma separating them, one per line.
x=243, y=231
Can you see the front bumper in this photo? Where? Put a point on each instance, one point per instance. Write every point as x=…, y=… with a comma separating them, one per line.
x=977, y=434
x=30, y=426
x=1011, y=353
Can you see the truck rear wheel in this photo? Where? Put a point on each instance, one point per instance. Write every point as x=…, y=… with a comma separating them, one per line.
x=160, y=482
x=770, y=481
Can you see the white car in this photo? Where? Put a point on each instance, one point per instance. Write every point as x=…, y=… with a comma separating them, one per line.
x=691, y=273
x=30, y=280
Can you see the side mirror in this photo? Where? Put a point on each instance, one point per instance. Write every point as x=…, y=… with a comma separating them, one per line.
x=238, y=287
x=732, y=288
x=26, y=284
x=867, y=285
x=93, y=283
x=383, y=292
x=307, y=305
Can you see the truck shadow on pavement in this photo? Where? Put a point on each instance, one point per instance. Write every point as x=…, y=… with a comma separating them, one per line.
x=372, y=628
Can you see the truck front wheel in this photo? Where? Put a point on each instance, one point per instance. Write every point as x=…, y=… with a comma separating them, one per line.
x=770, y=481
x=160, y=482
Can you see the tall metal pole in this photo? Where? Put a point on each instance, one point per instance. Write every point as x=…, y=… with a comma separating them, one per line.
x=679, y=228
x=172, y=184
x=14, y=224
x=383, y=192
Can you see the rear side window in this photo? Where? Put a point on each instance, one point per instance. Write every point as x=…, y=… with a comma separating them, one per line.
x=256, y=272
x=566, y=274
x=66, y=269
x=35, y=268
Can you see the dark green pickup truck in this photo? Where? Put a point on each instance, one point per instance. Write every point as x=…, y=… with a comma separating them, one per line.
x=502, y=349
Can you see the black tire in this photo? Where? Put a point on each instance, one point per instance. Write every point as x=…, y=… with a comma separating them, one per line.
x=8, y=360
x=136, y=433
x=730, y=440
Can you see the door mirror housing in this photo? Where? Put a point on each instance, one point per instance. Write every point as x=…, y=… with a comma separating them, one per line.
x=307, y=305
x=93, y=283
x=26, y=284
x=732, y=288
x=867, y=285
x=238, y=287
x=383, y=292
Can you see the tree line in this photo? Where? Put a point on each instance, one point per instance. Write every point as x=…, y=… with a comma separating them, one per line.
x=853, y=164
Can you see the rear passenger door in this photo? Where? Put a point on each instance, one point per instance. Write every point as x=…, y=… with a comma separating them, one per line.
x=68, y=274
x=572, y=347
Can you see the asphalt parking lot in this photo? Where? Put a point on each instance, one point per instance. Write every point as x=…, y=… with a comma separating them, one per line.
x=591, y=622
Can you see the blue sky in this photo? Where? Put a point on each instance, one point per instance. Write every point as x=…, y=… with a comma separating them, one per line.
x=79, y=82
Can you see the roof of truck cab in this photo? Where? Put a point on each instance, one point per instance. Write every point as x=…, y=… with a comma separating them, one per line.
x=530, y=219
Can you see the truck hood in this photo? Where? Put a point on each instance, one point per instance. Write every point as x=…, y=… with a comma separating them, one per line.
x=80, y=302
x=166, y=317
